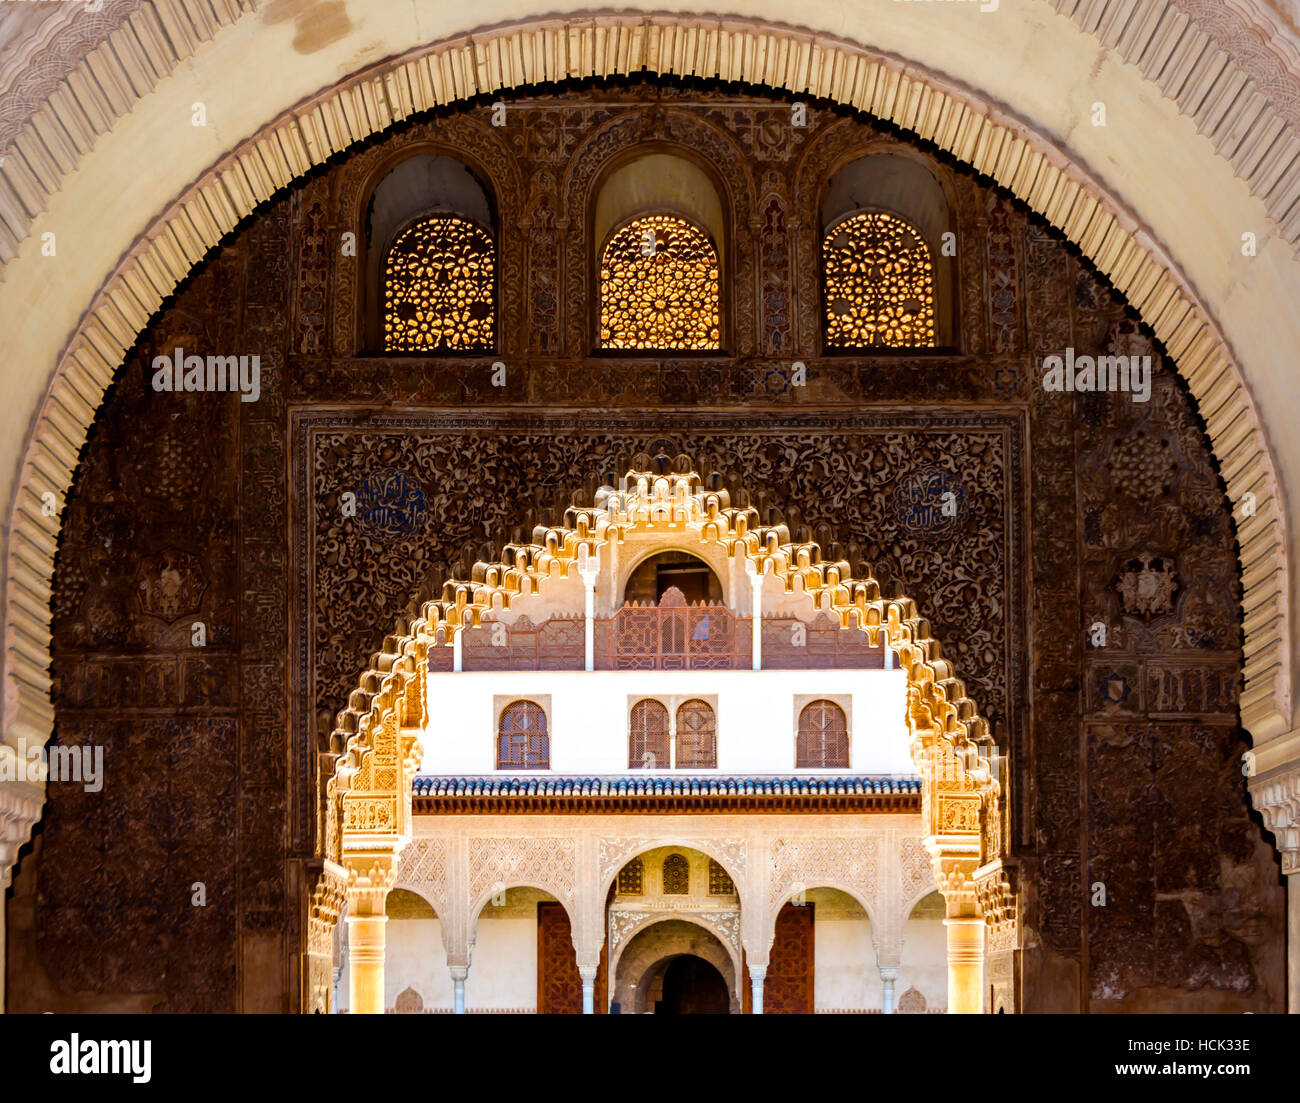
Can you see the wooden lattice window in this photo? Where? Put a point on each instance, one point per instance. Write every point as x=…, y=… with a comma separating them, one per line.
x=677, y=875
x=720, y=882
x=697, y=737
x=879, y=284
x=439, y=287
x=630, y=878
x=823, y=737
x=659, y=287
x=647, y=744
x=522, y=739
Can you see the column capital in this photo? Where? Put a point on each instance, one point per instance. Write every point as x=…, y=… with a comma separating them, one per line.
x=1276, y=794
x=20, y=810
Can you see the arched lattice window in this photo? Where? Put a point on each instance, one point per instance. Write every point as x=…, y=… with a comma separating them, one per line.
x=823, y=736
x=879, y=284
x=659, y=287
x=677, y=875
x=522, y=740
x=720, y=882
x=647, y=744
x=697, y=737
x=630, y=877
x=439, y=286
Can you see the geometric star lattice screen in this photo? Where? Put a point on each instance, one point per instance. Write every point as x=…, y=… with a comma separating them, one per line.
x=439, y=285
x=659, y=287
x=879, y=284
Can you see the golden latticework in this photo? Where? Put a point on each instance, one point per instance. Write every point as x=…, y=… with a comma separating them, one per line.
x=720, y=882
x=439, y=280
x=659, y=287
x=677, y=876
x=629, y=878
x=879, y=284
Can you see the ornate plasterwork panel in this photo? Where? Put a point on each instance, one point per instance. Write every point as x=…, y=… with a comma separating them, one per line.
x=545, y=862
x=423, y=870
x=851, y=862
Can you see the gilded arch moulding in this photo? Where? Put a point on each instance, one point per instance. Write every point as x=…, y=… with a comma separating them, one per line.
x=950, y=741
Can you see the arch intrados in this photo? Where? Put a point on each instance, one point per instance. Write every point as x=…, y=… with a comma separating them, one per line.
x=700, y=846
x=656, y=969
x=415, y=890
x=826, y=883
x=626, y=573
x=655, y=919
x=810, y=176
x=620, y=159
x=909, y=903
x=644, y=147
x=476, y=909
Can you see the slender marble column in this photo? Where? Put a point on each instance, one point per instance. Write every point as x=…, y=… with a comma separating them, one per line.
x=756, y=975
x=588, y=975
x=458, y=975
x=888, y=974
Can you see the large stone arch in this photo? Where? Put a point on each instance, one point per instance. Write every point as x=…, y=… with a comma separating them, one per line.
x=1227, y=122
x=917, y=99
x=368, y=805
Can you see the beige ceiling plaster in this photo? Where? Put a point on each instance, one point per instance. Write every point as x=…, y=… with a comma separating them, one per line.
x=1148, y=159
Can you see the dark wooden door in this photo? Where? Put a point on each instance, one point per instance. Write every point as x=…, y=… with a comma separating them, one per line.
x=559, y=986
x=788, y=987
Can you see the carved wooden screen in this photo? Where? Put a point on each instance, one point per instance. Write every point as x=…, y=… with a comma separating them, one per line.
x=439, y=286
x=677, y=875
x=675, y=636
x=697, y=737
x=630, y=878
x=879, y=284
x=647, y=744
x=720, y=882
x=659, y=287
x=788, y=987
x=823, y=736
x=522, y=739
x=559, y=984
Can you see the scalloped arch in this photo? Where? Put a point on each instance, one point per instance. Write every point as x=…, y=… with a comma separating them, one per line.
x=736, y=49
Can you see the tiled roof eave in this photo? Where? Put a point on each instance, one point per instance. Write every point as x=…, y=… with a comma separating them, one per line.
x=665, y=794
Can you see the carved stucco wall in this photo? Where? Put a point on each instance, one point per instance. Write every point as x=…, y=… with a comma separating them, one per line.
x=201, y=486
x=1216, y=97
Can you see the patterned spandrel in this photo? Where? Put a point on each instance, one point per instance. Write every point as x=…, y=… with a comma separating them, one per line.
x=439, y=281
x=879, y=284
x=659, y=287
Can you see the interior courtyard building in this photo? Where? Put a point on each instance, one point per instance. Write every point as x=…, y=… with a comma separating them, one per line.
x=651, y=509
